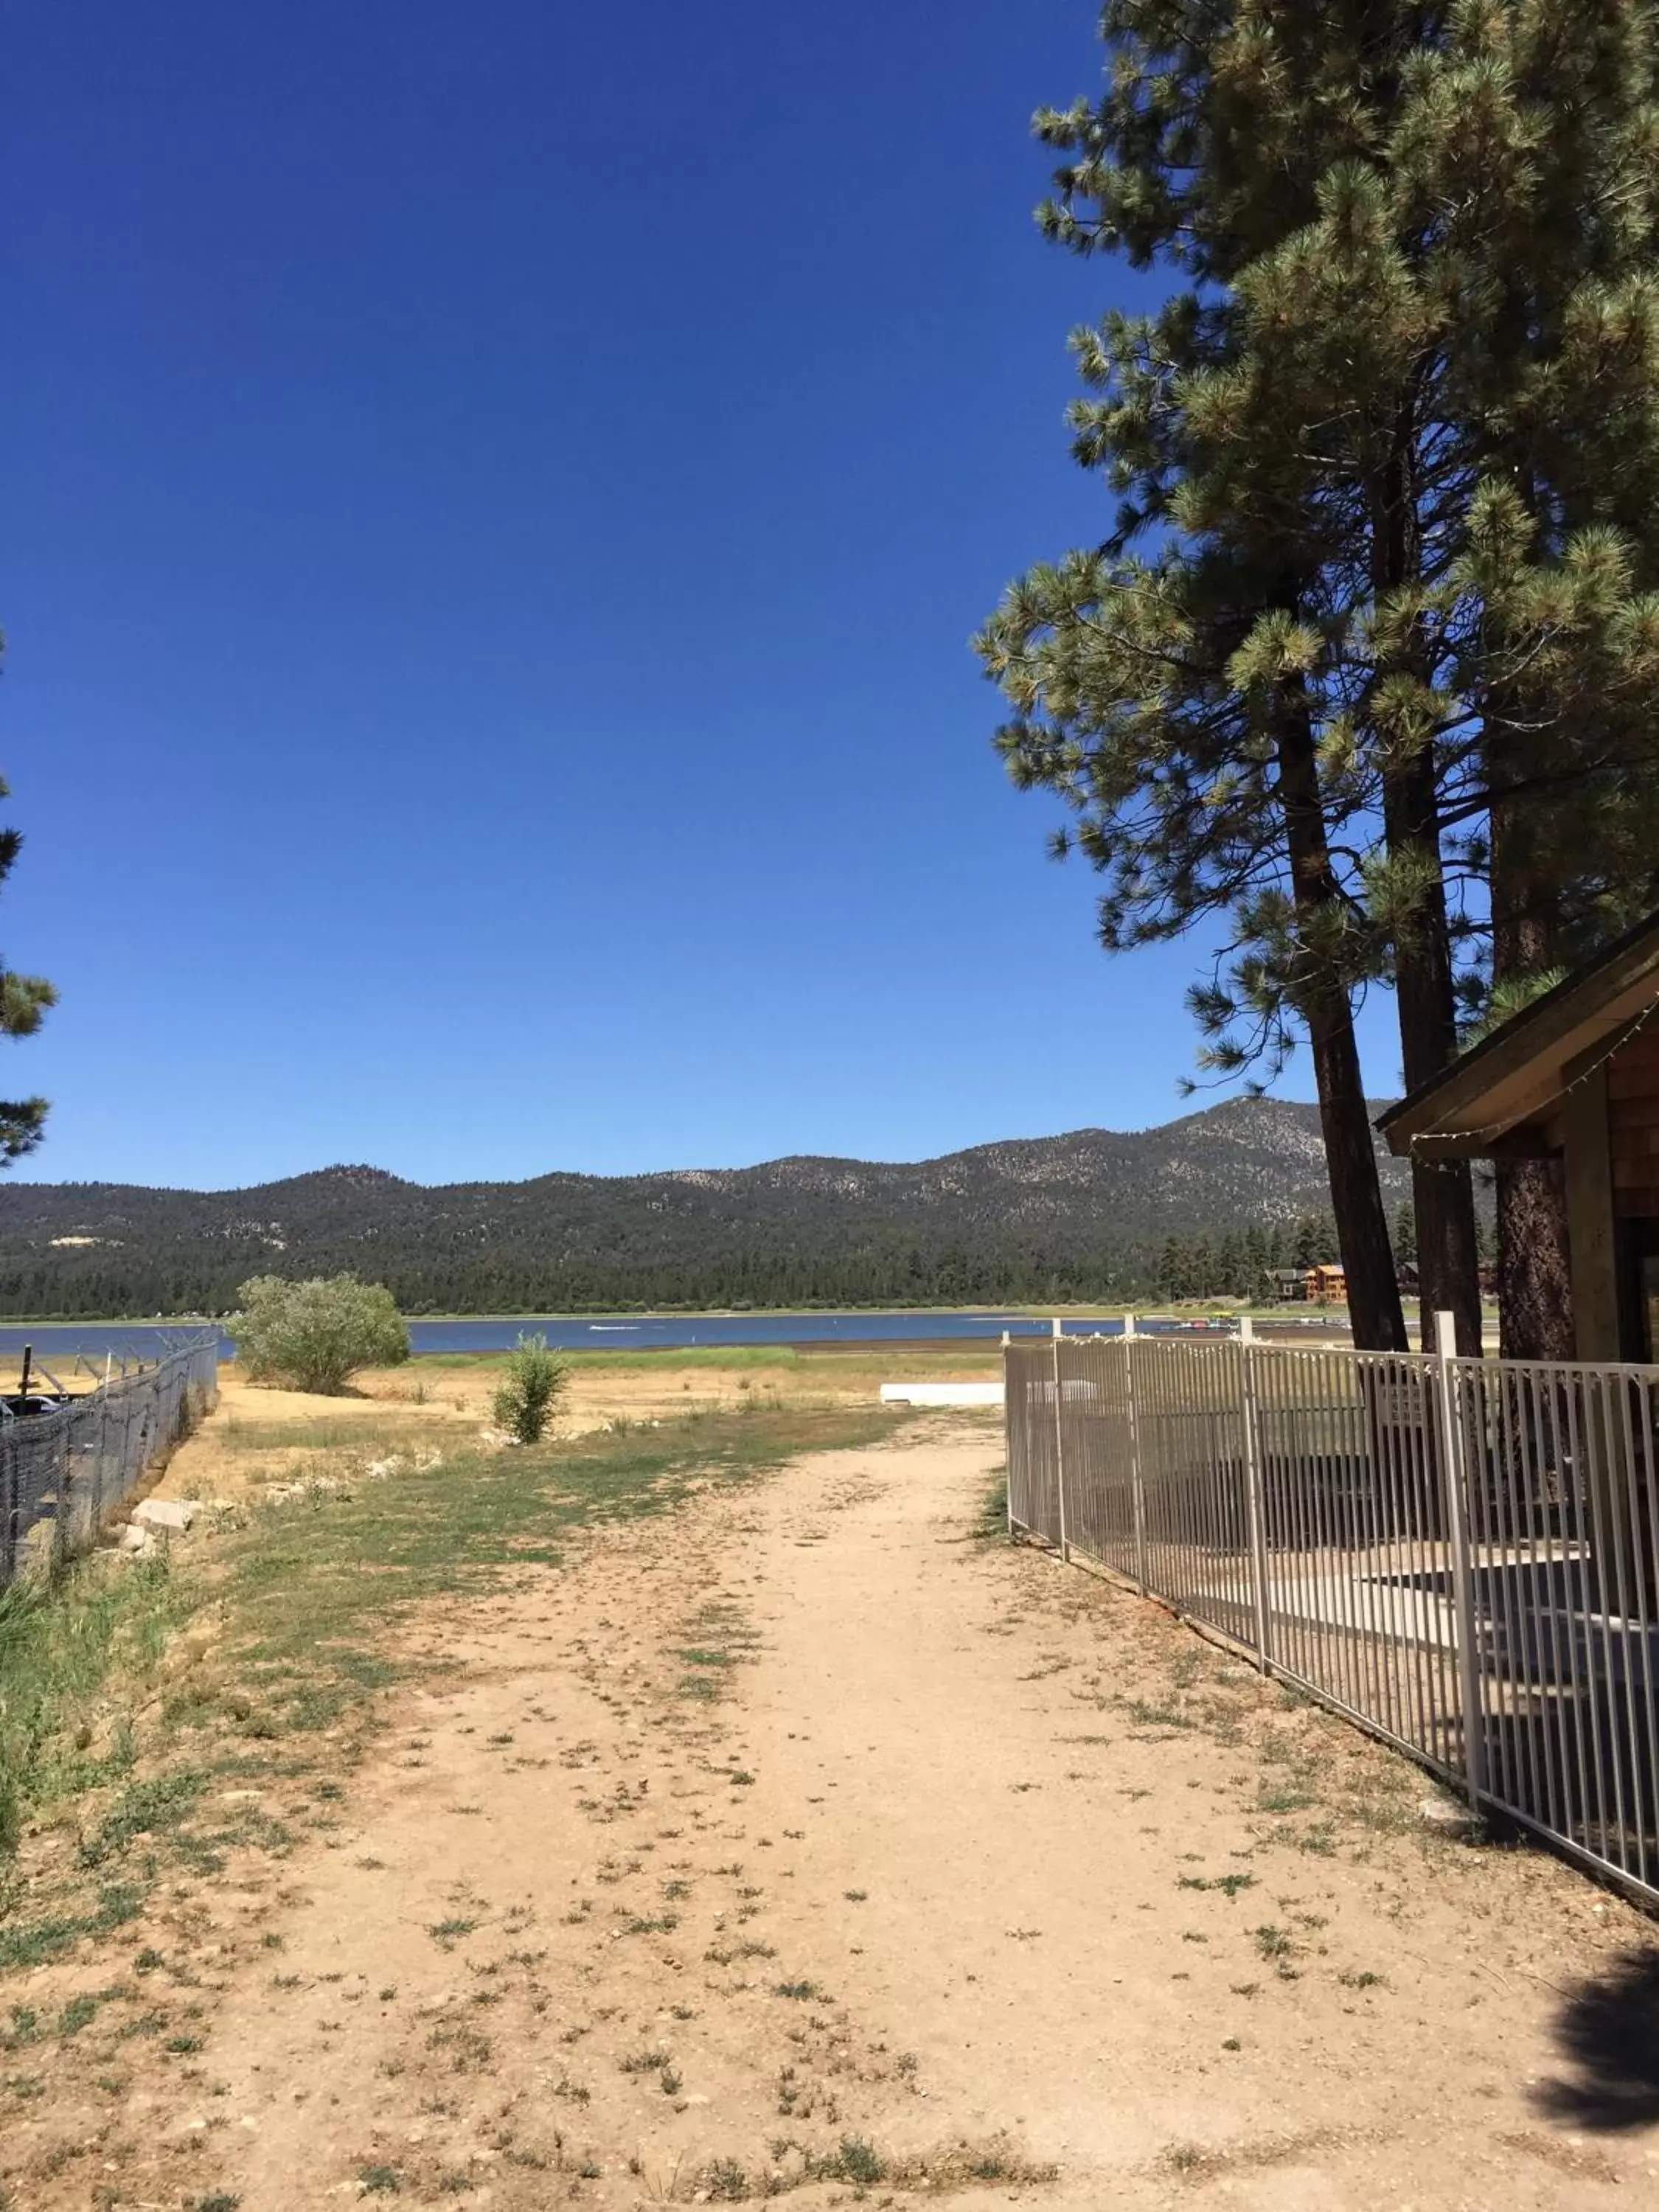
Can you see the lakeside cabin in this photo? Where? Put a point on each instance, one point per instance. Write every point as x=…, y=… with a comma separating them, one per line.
x=1322, y=1285
x=1573, y=1077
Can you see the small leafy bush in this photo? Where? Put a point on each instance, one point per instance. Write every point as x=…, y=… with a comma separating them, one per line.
x=536, y=1379
x=313, y=1335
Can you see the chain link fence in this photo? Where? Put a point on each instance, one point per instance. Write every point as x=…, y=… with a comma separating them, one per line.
x=65, y=1471
x=1462, y=1555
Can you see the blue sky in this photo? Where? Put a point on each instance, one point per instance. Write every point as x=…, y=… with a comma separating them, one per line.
x=497, y=502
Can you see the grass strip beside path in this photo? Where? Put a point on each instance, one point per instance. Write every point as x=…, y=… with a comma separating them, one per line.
x=261, y=1653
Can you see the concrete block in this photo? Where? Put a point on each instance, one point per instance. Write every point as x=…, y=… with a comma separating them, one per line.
x=941, y=1394
x=1449, y=1815
x=37, y=1554
x=165, y=1512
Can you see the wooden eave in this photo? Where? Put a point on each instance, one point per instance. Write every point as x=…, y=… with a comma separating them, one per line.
x=1501, y=1099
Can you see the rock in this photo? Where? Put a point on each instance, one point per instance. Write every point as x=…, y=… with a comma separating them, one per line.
x=134, y=1538
x=1449, y=1815
x=37, y=1554
x=165, y=1512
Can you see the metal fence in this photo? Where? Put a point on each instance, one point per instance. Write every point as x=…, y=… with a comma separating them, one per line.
x=1461, y=1554
x=63, y=1471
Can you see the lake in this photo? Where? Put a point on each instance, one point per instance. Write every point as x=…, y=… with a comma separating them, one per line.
x=597, y=1333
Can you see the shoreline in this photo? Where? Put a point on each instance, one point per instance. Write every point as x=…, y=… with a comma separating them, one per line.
x=591, y=1314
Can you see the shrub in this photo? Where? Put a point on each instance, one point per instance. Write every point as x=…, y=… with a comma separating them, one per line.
x=535, y=1383
x=313, y=1335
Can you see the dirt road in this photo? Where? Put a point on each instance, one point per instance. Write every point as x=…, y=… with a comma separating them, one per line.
x=801, y=1841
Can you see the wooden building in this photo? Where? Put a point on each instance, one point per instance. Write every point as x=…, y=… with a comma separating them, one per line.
x=1575, y=1074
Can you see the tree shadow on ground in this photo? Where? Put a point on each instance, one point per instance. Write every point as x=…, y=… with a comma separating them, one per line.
x=1608, y=2031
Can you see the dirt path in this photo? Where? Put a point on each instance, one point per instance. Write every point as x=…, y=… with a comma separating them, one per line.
x=800, y=1834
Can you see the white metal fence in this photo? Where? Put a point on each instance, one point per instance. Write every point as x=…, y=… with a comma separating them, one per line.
x=1461, y=1554
x=67, y=1470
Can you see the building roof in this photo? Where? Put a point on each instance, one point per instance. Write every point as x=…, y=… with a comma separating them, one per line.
x=1518, y=1072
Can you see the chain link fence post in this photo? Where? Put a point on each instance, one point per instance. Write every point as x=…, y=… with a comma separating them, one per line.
x=10, y=1497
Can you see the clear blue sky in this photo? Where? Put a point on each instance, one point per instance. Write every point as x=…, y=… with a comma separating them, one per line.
x=497, y=498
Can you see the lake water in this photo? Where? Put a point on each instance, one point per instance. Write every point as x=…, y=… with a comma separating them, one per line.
x=600, y=1333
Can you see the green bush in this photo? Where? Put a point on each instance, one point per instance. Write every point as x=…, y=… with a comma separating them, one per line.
x=535, y=1383
x=313, y=1335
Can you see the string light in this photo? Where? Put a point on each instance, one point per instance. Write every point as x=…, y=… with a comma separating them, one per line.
x=1497, y=1128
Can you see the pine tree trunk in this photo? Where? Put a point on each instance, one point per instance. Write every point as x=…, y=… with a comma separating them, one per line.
x=1534, y=1279
x=1443, y=1196
x=1534, y=1267
x=1323, y=999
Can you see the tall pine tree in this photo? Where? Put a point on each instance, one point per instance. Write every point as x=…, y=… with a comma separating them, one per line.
x=24, y=1000
x=1396, y=620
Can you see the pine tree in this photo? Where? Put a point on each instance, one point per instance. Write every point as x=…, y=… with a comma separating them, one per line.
x=1166, y=697
x=1489, y=446
x=1401, y=437
x=24, y=1000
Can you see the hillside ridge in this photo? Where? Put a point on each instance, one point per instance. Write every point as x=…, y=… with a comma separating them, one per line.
x=1081, y=1214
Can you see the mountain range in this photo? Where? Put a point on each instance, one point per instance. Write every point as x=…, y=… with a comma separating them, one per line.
x=1080, y=1215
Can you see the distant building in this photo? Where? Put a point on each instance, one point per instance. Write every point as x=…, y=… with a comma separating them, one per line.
x=1323, y=1285
x=1405, y=1278
x=1574, y=1076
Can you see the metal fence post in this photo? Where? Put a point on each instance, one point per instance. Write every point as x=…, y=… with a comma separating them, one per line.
x=1059, y=1443
x=102, y=1459
x=1444, y=1381
x=1008, y=1386
x=1137, y=1488
x=13, y=1501
x=1253, y=1490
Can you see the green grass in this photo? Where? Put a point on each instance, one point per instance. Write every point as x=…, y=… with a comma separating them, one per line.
x=692, y=1355
x=311, y=1587
x=854, y=2159
x=336, y=1448
x=786, y=1364
x=31, y=1945
x=60, y=1644
x=992, y=1525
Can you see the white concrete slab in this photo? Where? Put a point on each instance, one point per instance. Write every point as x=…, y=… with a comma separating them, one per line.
x=941, y=1394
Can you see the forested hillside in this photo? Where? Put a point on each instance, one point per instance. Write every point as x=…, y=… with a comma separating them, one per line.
x=1091, y=1215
